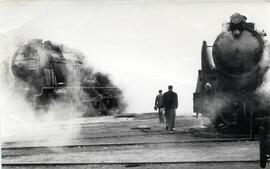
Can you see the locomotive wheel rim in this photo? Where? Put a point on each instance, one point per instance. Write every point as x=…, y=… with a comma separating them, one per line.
x=249, y=73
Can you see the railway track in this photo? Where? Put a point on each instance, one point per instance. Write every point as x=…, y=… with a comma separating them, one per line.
x=135, y=143
x=124, y=147
x=23, y=154
x=130, y=164
x=251, y=164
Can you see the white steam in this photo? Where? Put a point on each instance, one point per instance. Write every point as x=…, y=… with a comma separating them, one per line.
x=19, y=122
x=264, y=90
x=214, y=106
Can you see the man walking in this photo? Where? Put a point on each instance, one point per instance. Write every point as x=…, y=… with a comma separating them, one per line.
x=170, y=103
x=158, y=105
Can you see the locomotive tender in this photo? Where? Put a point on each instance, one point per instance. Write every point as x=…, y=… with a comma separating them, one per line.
x=230, y=76
x=53, y=74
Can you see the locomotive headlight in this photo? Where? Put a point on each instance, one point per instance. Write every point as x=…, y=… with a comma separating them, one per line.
x=208, y=85
x=236, y=32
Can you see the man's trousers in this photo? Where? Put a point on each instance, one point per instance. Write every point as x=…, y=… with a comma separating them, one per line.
x=161, y=115
x=170, y=118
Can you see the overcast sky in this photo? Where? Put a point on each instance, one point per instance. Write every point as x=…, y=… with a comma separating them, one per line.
x=144, y=45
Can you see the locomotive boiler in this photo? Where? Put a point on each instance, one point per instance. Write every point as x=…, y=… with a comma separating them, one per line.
x=53, y=74
x=231, y=72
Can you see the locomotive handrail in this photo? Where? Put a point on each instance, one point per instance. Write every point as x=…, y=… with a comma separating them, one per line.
x=96, y=99
x=78, y=87
x=40, y=94
x=26, y=59
x=74, y=87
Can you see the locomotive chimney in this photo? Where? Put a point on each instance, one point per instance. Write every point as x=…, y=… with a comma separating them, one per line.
x=237, y=23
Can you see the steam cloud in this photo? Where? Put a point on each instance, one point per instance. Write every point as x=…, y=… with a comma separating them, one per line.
x=92, y=94
x=264, y=90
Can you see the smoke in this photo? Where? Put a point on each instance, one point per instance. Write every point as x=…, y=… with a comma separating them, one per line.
x=225, y=27
x=88, y=95
x=19, y=122
x=215, y=105
x=76, y=82
x=264, y=89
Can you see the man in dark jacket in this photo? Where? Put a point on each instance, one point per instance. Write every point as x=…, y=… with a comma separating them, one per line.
x=170, y=103
x=158, y=105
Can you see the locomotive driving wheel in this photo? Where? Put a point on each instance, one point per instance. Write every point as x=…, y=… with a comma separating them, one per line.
x=222, y=122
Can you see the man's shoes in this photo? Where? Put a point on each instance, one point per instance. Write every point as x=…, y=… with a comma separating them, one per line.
x=171, y=130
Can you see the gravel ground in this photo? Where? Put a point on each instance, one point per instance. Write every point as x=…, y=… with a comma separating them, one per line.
x=140, y=139
x=250, y=165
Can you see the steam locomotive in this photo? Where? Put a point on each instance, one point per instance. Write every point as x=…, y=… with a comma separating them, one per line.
x=52, y=73
x=230, y=75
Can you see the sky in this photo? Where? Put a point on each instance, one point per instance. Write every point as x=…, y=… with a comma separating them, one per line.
x=144, y=45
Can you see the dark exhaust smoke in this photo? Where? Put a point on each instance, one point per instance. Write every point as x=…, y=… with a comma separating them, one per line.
x=54, y=74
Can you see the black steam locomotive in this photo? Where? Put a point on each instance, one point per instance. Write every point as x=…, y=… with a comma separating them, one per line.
x=53, y=74
x=230, y=76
